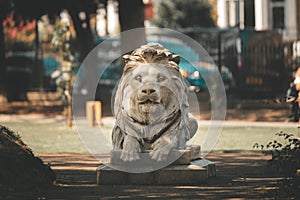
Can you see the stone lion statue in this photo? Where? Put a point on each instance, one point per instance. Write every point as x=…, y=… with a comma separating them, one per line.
x=151, y=105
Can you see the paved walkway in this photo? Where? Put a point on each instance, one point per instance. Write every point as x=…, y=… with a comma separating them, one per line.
x=242, y=175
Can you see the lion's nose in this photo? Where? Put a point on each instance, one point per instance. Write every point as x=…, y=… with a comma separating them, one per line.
x=148, y=91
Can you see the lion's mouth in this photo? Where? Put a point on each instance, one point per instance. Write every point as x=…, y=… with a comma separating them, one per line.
x=148, y=102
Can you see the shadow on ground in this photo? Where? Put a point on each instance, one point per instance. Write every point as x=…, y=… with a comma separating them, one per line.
x=241, y=175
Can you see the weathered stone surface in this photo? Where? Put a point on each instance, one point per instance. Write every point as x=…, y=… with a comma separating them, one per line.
x=151, y=105
x=181, y=174
x=110, y=176
x=179, y=157
x=195, y=151
x=194, y=173
x=152, y=117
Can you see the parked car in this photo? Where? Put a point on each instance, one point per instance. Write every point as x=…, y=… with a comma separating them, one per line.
x=192, y=66
x=195, y=73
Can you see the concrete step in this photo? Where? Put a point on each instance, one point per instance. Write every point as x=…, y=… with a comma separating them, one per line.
x=181, y=167
x=192, y=174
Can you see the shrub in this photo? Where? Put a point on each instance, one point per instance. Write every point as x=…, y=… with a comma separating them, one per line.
x=286, y=160
x=20, y=171
x=285, y=155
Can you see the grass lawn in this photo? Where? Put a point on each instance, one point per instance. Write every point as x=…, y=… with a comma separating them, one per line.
x=52, y=137
x=244, y=137
x=55, y=137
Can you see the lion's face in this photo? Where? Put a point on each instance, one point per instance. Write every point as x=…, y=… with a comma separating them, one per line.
x=150, y=93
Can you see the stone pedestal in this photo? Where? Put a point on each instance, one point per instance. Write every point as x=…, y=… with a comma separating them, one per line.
x=188, y=169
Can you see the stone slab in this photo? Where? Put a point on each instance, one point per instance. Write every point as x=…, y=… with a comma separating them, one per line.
x=195, y=151
x=191, y=174
x=177, y=157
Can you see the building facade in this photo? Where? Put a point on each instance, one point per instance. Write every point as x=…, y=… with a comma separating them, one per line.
x=261, y=15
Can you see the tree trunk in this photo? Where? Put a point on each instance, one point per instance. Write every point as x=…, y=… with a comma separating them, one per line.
x=106, y=21
x=84, y=42
x=84, y=36
x=2, y=63
x=131, y=16
x=38, y=75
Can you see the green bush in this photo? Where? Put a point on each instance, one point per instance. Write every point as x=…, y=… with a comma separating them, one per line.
x=286, y=160
x=286, y=154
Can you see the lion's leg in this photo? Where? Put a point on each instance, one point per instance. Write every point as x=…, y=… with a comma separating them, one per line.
x=193, y=124
x=131, y=148
x=162, y=147
x=117, y=137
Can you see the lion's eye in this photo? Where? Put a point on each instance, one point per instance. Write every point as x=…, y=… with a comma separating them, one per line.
x=161, y=78
x=138, y=78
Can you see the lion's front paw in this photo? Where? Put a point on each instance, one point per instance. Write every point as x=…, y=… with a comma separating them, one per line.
x=131, y=149
x=161, y=150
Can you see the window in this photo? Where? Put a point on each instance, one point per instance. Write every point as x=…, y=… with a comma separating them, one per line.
x=249, y=13
x=278, y=17
x=277, y=14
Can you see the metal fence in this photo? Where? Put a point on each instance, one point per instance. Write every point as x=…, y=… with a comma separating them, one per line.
x=255, y=58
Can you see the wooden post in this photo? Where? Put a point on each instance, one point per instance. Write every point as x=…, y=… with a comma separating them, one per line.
x=94, y=112
x=90, y=113
x=69, y=105
x=98, y=112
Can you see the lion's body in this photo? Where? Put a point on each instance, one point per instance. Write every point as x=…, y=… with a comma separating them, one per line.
x=151, y=106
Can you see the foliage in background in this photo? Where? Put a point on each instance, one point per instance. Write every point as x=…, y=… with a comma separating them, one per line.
x=20, y=171
x=19, y=33
x=214, y=10
x=286, y=160
x=183, y=13
x=62, y=44
x=285, y=156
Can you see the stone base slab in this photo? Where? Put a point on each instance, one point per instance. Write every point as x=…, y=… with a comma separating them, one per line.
x=194, y=173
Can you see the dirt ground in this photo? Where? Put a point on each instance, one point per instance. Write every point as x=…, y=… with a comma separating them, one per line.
x=240, y=175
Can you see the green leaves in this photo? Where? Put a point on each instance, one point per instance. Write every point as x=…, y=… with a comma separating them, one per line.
x=62, y=43
x=286, y=154
x=183, y=13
